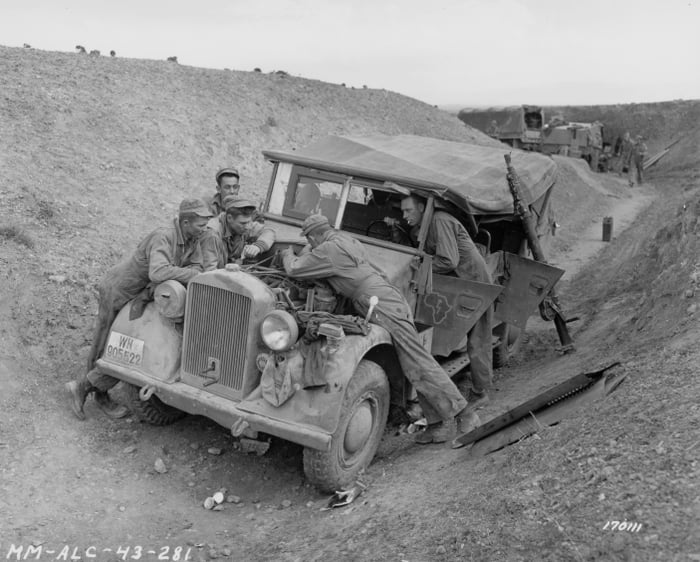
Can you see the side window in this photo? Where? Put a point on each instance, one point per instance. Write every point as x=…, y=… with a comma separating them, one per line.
x=367, y=209
x=309, y=194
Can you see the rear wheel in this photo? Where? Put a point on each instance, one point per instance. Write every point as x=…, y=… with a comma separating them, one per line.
x=363, y=416
x=153, y=410
x=508, y=344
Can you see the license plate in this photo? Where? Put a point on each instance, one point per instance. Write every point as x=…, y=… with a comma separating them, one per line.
x=124, y=349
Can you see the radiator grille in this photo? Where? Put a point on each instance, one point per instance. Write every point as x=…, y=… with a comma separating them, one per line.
x=217, y=327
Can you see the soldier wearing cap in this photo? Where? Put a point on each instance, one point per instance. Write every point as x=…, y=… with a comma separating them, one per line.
x=342, y=261
x=455, y=254
x=227, y=183
x=170, y=252
x=234, y=235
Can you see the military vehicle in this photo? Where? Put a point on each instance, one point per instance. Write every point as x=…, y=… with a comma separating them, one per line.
x=266, y=355
x=519, y=127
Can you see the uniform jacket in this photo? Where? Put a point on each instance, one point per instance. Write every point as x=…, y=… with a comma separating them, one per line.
x=454, y=252
x=220, y=245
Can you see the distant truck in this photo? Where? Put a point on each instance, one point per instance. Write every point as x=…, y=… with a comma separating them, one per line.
x=584, y=140
x=519, y=127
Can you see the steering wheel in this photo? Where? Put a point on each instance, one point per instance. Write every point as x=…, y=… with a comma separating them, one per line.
x=384, y=232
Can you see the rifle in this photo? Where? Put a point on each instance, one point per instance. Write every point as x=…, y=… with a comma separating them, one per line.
x=550, y=308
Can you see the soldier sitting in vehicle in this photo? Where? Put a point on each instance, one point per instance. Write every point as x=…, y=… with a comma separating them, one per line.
x=167, y=253
x=454, y=253
x=342, y=261
x=235, y=235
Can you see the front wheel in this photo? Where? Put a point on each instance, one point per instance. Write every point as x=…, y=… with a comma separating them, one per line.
x=363, y=416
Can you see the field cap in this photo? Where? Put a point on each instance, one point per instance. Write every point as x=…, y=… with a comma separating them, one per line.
x=312, y=222
x=234, y=202
x=195, y=207
x=227, y=171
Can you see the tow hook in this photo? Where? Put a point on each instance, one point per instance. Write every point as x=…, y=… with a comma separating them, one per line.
x=238, y=427
x=146, y=392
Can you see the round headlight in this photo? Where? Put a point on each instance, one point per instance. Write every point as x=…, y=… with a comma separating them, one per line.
x=279, y=330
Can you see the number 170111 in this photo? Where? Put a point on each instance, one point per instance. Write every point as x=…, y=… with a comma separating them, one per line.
x=629, y=526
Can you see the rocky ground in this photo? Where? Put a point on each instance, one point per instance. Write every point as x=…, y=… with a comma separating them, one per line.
x=94, y=152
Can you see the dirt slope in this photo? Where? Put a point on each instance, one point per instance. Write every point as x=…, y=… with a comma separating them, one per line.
x=95, y=152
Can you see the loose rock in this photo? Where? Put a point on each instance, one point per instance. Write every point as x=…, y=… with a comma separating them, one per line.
x=214, y=451
x=159, y=466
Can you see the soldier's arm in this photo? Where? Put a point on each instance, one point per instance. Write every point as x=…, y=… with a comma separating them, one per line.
x=265, y=239
x=161, y=263
x=446, y=258
x=311, y=265
x=210, y=246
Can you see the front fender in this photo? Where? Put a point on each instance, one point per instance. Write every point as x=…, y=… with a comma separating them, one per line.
x=314, y=409
x=162, y=341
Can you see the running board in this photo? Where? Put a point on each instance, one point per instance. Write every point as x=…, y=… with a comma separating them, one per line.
x=545, y=409
x=454, y=366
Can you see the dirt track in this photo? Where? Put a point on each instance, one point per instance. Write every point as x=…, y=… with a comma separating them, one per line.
x=634, y=458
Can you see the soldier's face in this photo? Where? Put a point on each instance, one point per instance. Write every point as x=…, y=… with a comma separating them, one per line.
x=412, y=211
x=239, y=224
x=228, y=185
x=193, y=228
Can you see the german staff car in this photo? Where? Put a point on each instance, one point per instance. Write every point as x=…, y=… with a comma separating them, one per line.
x=265, y=355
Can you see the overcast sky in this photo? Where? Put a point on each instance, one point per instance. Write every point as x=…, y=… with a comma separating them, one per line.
x=461, y=52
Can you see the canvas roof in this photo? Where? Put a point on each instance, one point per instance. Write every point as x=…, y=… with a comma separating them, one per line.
x=471, y=176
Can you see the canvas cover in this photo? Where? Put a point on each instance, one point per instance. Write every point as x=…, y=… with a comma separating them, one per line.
x=471, y=176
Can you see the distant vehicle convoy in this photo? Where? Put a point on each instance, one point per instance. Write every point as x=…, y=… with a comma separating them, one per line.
x=524, y=127
x=259, y=352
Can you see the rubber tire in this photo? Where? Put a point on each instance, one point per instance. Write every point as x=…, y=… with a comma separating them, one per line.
x=152, y=411
x=510, y=338
x=326, y=470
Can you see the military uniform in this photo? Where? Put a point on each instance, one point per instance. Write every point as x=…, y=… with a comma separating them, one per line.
x=220, y=245
x=639, y=152
x=342, y=261
x=454, y=253
x=163, y=255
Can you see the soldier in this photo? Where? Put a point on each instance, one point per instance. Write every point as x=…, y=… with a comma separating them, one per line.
x=170, y=252
x=625, y=154
x=342, y=261
x=235, y=235
x=454, y=253
x=227, y=183
x=639, y=153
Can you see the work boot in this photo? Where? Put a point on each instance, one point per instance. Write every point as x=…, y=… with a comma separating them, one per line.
x=78, y=390
x=109, y=406
x=467, y=421
x=477, y=400
x=434, y=433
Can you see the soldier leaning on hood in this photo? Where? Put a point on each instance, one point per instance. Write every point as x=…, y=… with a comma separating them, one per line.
x=342, y=261
x=171, y=252
x=234, y=235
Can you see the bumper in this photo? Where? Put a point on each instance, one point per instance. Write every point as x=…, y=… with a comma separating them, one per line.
x=223, y=411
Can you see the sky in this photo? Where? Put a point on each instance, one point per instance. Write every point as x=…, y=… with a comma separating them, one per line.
x=465, y=53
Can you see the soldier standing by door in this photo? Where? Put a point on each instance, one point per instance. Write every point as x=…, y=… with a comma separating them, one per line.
x=454, y=253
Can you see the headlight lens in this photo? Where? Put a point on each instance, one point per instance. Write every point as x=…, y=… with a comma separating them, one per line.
x=279, y=330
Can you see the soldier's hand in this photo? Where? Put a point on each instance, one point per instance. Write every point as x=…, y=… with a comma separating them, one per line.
x=250, y=251
x=233, y=267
